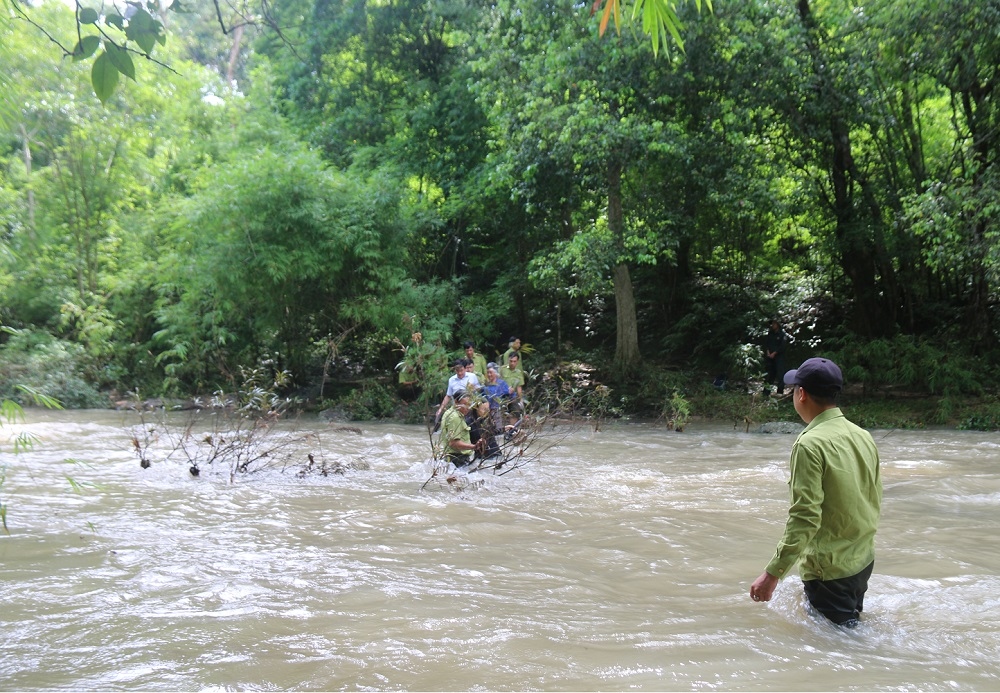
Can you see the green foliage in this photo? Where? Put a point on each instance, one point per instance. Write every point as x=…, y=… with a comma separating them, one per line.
x=986, y=418
x=51, y=368
x=425, y=366
x=369, y=401
x=907, y=363
x=450, y=168
x=677, y=411
x=287, y=254
x=116, y=35
x=659, y=20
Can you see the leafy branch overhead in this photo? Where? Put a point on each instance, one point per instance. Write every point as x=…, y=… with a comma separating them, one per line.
x=659, y=19
x=114, y=36
x=136, y=27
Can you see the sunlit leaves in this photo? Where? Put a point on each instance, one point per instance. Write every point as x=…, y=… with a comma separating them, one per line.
x=659, y=19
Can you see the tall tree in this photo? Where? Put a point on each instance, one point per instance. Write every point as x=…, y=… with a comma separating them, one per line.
x=592, y=111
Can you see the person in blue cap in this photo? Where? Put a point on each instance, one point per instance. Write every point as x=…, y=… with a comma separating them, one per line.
x=836, y=498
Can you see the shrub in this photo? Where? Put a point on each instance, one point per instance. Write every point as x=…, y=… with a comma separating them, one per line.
x=371, y=400
x=908, y=362
x=984, y=417
x=49, y=366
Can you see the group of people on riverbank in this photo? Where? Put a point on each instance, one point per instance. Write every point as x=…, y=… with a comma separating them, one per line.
x=487, y=400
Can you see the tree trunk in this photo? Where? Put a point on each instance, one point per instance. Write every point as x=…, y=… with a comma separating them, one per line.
x=627, y=335
x=627, y=345
x=234, y=55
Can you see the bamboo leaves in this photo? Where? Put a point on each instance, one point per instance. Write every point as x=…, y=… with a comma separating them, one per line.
x=659, y=20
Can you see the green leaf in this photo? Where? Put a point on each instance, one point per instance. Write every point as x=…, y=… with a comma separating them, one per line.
x=86, y=47
x=144, y=30
x=10, y=411
x=40, y=399
x=121, y=60
x=104, y=77
x=115, y=20
x=88, y=15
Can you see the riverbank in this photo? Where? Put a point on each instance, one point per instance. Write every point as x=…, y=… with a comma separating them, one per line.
x=741, y=408
x=901, y=410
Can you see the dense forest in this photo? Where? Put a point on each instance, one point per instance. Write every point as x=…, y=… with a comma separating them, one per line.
x=339, y=188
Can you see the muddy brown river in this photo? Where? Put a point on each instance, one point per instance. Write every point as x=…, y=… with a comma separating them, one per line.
x=619, y=560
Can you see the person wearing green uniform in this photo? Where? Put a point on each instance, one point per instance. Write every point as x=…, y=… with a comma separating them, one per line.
x=513, y=375
x=836, y=498
x=478, y=361
x=456, y=433
x=514, y=347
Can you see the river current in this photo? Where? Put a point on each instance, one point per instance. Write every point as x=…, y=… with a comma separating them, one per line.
x=620, y=559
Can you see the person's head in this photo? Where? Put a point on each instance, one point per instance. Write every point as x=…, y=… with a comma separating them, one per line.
x=822, y=381
x=492, y=372
x=775, y=325
x=470, y=348
x=513, y=359
x=459, y=366
x=462, y=401
x=515, y=342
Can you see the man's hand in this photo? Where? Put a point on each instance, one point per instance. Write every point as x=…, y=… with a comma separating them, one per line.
x=763, y=587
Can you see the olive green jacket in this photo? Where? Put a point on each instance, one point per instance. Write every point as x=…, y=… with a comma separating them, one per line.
x=836, y=494
x=453, y=427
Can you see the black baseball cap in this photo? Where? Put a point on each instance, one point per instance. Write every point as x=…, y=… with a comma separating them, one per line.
x=817, y=376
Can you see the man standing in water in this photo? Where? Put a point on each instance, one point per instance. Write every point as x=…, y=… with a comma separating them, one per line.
x=462, y=380
x=456, y=432
x=836, y=496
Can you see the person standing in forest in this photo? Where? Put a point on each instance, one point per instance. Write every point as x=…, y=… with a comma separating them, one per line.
x=775, y=343
x=836, y=499
x=513, y=375
x=514, y=347
x=478, y=361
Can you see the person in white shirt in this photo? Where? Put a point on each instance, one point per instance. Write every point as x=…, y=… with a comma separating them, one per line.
x=464, y=379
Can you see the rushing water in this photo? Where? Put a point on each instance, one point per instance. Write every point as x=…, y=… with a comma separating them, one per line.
x=621, y=559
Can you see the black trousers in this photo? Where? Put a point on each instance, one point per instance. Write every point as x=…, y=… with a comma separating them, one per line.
x=841, y=600
x=459, y=460
x=774, y=372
